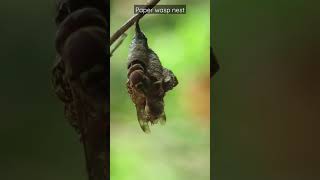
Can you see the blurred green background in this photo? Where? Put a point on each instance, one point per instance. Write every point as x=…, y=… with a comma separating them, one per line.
x=37, y=143
x=180, y=149
x=266, y=95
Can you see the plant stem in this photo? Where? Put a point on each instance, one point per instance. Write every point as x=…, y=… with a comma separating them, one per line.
x=131, y=21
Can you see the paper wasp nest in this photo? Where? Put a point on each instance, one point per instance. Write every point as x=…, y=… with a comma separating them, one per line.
x=148, y=81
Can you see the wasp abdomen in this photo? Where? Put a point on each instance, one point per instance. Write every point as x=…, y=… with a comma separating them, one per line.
x=137, y=77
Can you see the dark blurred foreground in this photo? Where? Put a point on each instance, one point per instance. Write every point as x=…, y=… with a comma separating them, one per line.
x=37, y=143
x=267, y=93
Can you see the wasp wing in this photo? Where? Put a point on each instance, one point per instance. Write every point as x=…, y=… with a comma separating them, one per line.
x=142, y=119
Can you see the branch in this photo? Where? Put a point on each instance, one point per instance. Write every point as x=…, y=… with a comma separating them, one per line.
x=131, y=21
x=123, y=36
x=214, y=66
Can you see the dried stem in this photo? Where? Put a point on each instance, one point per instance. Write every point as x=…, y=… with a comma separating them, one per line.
x=123, y=36
x=131, y=21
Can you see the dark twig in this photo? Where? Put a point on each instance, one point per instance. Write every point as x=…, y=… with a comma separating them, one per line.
x=131, y=21
x=214, y=66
